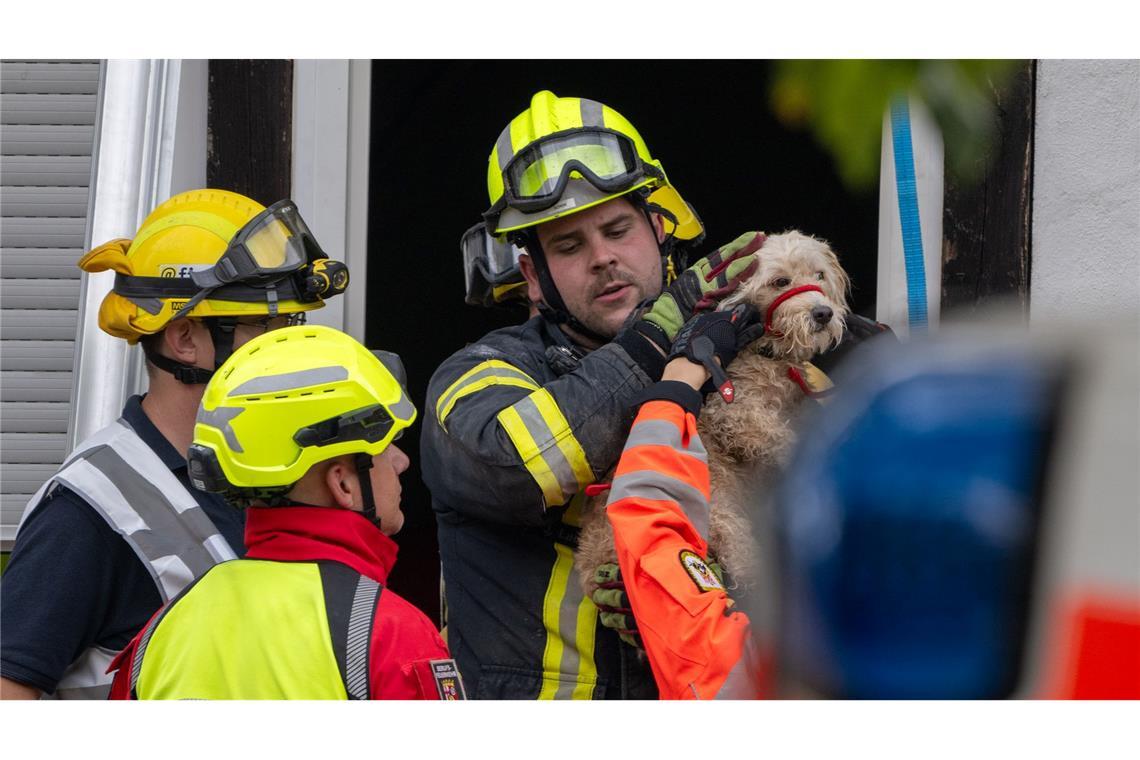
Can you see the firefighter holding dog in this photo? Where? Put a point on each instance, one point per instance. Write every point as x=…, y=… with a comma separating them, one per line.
x=119, y=529
x=300, y=426
x=520, y=422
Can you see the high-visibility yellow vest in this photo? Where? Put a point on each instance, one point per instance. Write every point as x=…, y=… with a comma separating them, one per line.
x=262, y=629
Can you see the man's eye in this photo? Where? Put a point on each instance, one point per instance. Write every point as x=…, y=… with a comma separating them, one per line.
x=619, y=232
x=781, y=282
x=819, y=276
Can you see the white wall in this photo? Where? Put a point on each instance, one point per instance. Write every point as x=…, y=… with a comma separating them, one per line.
x=1086, y=189
x=331, y=101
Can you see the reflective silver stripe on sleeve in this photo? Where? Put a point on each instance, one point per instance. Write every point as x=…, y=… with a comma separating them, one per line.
x=592, y=113
x=664, y=433
x=648, y=484
x=359, y=637
x=467, y=381
x=503, y=148
x=290, y=381
x=544, y=438
x=87, y=677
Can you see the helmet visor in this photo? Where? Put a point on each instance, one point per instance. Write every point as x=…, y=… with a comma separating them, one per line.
x=488, y=261
x=536, y=177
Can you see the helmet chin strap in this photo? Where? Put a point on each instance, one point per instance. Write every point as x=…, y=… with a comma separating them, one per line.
x=552, y=307
x=363, y=466
x=221, y=333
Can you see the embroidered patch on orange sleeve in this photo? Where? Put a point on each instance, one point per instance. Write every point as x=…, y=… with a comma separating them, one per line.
x=700, y=572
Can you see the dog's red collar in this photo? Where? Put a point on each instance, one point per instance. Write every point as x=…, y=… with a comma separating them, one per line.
x=779, y=300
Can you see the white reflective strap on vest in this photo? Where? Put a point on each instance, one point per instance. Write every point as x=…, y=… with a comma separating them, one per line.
x=128, y=485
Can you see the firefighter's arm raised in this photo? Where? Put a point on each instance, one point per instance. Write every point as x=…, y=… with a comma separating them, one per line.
x=698, y=646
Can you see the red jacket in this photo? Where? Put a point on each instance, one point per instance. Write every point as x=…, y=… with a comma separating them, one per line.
x=408, y=659
x=699, y=647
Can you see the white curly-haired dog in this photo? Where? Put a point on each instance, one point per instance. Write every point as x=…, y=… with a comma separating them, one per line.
x=801, y=291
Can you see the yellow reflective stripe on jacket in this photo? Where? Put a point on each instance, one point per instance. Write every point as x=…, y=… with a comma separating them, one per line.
x=482, y=375
x=570, y=620
x=548, y=449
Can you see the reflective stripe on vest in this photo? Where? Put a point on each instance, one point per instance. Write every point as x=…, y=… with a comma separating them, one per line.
x=224, y=638
x=128, y=485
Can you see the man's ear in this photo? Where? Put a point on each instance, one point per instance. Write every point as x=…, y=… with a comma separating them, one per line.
x=658, y=226
x=533, y=289
x=179, y=341
x=342, y=481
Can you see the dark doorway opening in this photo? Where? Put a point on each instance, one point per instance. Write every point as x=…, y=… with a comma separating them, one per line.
x=433, y=126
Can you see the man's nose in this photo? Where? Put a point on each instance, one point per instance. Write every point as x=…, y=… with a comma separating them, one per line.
x=603, y=254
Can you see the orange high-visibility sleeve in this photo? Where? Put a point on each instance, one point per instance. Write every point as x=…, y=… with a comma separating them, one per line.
x=698, y=646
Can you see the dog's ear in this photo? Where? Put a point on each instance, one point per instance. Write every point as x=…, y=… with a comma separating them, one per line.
x=837, y=281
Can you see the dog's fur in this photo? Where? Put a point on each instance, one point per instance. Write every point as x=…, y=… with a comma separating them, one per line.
x=750, y=438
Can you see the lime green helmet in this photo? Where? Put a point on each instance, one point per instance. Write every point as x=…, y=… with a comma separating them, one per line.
x=557, y=158
x=290, y=399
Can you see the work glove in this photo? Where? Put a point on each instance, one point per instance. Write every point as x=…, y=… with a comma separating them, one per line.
x=613, y=604
x=699, y=288
x=718, y=335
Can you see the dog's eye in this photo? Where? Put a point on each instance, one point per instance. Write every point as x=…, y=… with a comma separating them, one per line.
x=819, y=276
x=781, y=282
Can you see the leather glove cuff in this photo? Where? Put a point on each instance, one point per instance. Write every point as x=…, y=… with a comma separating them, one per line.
x=639, y=342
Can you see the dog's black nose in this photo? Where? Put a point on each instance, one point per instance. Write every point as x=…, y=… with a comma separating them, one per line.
x=821, y=314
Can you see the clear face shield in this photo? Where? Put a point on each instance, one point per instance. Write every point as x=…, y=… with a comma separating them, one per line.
x=490, y=267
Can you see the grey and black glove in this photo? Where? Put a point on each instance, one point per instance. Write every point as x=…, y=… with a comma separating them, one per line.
x=718, y=335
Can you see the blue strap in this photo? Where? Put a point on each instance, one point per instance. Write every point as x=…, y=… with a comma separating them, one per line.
x=907, y=190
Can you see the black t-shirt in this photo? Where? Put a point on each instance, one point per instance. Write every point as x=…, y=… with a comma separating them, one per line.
x=72, y=582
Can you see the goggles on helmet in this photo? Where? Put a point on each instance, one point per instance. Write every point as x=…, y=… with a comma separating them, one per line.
x=490, y=266
x=535, y=178
x=273, y=257
x=275, y=242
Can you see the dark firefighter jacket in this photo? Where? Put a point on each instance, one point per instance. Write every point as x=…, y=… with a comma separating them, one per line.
x=515, y=428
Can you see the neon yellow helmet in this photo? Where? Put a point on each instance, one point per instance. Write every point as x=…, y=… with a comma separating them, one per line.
x=559, y=157
x=290, y=399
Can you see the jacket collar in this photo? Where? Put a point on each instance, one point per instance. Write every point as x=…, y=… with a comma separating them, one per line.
x=306, y=534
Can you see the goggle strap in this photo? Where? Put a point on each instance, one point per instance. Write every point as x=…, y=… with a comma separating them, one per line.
x=183, y=287
x=197, y=299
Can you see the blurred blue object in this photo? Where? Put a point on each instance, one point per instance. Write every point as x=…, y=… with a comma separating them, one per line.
x=907, y=523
